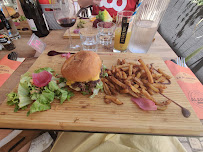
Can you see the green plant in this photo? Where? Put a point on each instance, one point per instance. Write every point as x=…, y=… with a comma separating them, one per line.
x=193, y=54
x=199, y=3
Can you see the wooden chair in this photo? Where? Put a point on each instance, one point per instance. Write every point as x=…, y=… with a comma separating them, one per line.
x=179, y=29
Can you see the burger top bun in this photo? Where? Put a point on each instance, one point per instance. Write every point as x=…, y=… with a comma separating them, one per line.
x=82, y=66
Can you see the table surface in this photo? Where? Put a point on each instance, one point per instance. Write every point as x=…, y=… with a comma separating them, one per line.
x=55, y=41
x=159, y=47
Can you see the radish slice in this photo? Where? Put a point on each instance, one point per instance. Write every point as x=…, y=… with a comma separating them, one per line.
x=145, y=104
x=41, y=79
x=67, y=55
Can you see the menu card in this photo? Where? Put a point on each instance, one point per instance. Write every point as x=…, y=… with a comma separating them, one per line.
x=190, y=85
x=7, y=67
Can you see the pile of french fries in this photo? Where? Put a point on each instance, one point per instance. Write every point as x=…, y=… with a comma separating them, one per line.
x=137, y=79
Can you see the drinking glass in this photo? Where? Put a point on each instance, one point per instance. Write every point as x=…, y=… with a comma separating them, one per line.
x=65, y=15
x=105, y=32
x=145, y=24
x=124, y=22
x=88, y=39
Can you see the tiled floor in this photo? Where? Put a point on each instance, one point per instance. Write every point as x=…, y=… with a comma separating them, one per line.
x=192, y=144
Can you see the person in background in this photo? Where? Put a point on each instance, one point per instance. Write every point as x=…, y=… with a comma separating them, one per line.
x=112, y=6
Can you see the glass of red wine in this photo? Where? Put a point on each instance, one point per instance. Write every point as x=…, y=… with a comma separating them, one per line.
x=65, y=15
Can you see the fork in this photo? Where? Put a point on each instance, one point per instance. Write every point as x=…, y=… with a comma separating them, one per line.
x=181, y=62
x=13, y=56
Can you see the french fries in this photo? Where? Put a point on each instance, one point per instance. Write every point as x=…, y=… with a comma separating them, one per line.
x=149, y=75
x=164, y=74
x=136, y=79
x=130, y=69
x=113, y=99
x=116, y=81
x=107, y=101
x=106, y=89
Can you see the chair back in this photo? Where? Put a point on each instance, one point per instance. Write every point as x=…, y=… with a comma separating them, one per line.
x=182, y=30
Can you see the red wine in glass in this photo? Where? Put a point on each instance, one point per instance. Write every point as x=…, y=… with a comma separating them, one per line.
x=65, y=13
x=66, y=22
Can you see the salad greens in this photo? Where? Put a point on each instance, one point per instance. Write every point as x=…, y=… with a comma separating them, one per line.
x=98, y=87
x=41, y=98
x=104, y=73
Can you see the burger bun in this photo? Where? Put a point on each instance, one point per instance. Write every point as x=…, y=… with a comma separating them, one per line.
x=83, y=66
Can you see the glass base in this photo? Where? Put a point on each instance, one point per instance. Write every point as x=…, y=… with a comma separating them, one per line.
x=74, y=46
x=119, y=51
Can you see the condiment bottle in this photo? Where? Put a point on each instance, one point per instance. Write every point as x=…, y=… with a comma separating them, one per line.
x=4, y=38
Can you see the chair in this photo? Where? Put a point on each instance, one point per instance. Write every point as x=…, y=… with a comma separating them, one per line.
x=179, y=29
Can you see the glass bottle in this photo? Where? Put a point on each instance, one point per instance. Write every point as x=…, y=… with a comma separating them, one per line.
x=4, y=38
x=10, y=26
x=35, y=17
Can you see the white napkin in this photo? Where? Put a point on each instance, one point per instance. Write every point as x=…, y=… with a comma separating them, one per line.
x=41, y=143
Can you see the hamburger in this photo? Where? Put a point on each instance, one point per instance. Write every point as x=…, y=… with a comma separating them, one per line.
x=82, y=72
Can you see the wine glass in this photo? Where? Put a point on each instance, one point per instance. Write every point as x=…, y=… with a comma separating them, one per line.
x=65, y=15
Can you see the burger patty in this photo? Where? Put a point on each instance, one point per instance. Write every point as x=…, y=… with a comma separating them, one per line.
x=85, y=86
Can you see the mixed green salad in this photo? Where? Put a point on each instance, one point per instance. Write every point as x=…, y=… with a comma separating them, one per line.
x=39, y=90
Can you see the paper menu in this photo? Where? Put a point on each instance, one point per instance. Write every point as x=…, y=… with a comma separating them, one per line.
x=190, y=85
x=7, y=67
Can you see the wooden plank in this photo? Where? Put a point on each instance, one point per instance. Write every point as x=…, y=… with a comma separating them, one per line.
x=88, y=25
x=77, y=36
x=24, y=24
x=84, y=114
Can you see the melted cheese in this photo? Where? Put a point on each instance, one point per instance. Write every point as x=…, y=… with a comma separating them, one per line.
x=94, y=79
x=70, y=82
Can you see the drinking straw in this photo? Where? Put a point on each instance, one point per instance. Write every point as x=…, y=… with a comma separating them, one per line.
x=137, y=8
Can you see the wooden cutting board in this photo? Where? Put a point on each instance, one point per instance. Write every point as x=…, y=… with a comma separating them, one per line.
x=88, y=24
x=84, y=114
x=24, y=24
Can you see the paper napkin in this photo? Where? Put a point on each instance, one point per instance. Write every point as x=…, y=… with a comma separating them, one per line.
x=190, y=85
x=7, y=67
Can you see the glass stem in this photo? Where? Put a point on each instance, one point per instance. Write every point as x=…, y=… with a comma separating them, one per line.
x=70, y=38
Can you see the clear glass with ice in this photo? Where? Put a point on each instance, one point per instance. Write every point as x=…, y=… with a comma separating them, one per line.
x=145, y=24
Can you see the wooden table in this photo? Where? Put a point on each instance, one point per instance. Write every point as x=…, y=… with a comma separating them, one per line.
x=54, y=41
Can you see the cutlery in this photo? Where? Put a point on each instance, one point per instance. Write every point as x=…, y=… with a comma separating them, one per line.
x=186, y=113
x=181, y=62
x=53, y=53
